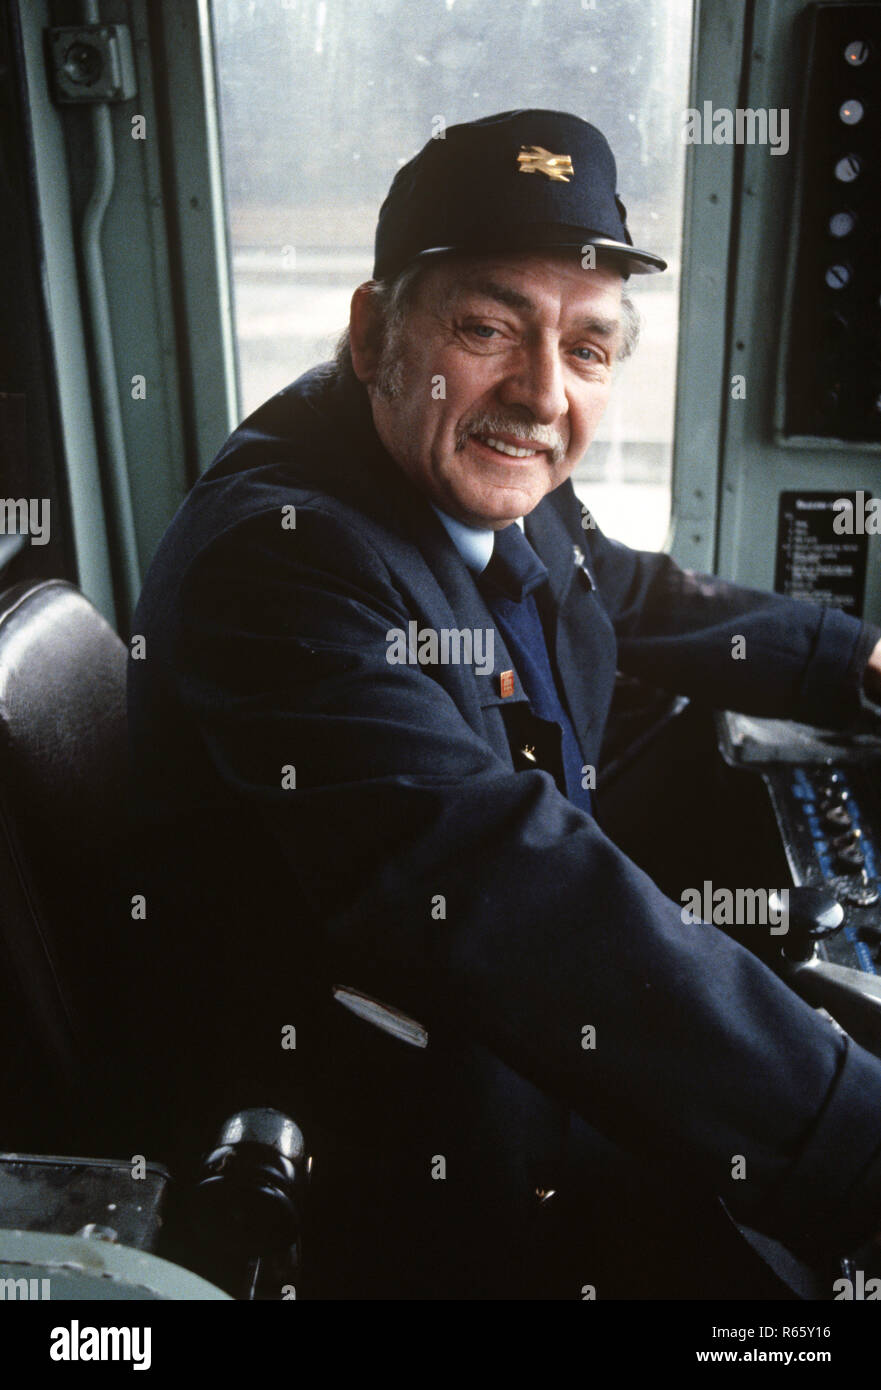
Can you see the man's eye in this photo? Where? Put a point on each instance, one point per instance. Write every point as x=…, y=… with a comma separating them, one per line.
x=481, y=330
x=592, y=355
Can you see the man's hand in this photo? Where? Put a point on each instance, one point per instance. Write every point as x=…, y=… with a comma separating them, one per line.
x=872, y=676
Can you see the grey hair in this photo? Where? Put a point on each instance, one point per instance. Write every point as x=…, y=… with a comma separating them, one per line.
x=392, y=297
x=630, y=326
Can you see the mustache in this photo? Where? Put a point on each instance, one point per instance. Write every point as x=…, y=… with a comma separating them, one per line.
x=504, y=424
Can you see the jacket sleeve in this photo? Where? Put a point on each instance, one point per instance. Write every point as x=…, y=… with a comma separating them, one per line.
x=701, y=1053
x=730, y=646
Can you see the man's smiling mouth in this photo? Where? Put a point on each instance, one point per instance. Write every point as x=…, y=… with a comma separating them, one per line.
x=518, y=440
x=512, y=451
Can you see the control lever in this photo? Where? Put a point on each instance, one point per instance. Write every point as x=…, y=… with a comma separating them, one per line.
x=248, y=1205
x=811, y=914
x=852, y=997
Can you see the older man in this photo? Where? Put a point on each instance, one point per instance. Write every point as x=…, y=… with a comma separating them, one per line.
x=373, y=858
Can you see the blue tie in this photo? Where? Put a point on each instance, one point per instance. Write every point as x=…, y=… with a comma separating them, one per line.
x=507, y=584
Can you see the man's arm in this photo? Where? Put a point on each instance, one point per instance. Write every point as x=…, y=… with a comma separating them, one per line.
x=872, y=676
x=730, y=646
x=701, y=1052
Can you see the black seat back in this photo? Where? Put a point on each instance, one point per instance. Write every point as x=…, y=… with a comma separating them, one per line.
x=63, y=774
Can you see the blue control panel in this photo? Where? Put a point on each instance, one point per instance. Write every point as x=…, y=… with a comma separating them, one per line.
x=829, y=817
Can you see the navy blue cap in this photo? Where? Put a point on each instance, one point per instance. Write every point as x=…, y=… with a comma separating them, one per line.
x=518, y=181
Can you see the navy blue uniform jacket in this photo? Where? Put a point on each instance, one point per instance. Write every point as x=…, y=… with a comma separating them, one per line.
x=310, y=815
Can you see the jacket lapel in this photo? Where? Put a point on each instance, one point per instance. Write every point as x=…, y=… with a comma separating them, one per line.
x=442, y=584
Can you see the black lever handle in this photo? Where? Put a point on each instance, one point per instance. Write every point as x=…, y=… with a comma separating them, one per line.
x=248, y=1202
x=811, y=914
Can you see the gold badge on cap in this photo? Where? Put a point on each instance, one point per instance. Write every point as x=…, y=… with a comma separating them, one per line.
x=535, y=160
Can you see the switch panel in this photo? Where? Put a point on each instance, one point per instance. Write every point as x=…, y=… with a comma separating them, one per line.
x=830, y=822
x=832, y=384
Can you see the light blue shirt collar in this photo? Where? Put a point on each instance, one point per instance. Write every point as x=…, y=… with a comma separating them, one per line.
x=475, y=546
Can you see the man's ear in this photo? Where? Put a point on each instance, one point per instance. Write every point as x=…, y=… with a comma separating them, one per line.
x=365, y=333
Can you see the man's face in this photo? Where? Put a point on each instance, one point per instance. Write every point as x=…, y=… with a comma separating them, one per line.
x=500, y=373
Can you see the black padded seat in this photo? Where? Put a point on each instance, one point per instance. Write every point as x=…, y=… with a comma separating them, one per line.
x=63, y=777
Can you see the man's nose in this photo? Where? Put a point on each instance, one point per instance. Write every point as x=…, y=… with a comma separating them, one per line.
x=535, y=381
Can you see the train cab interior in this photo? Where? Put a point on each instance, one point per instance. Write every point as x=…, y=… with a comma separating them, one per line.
x=190, y=190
